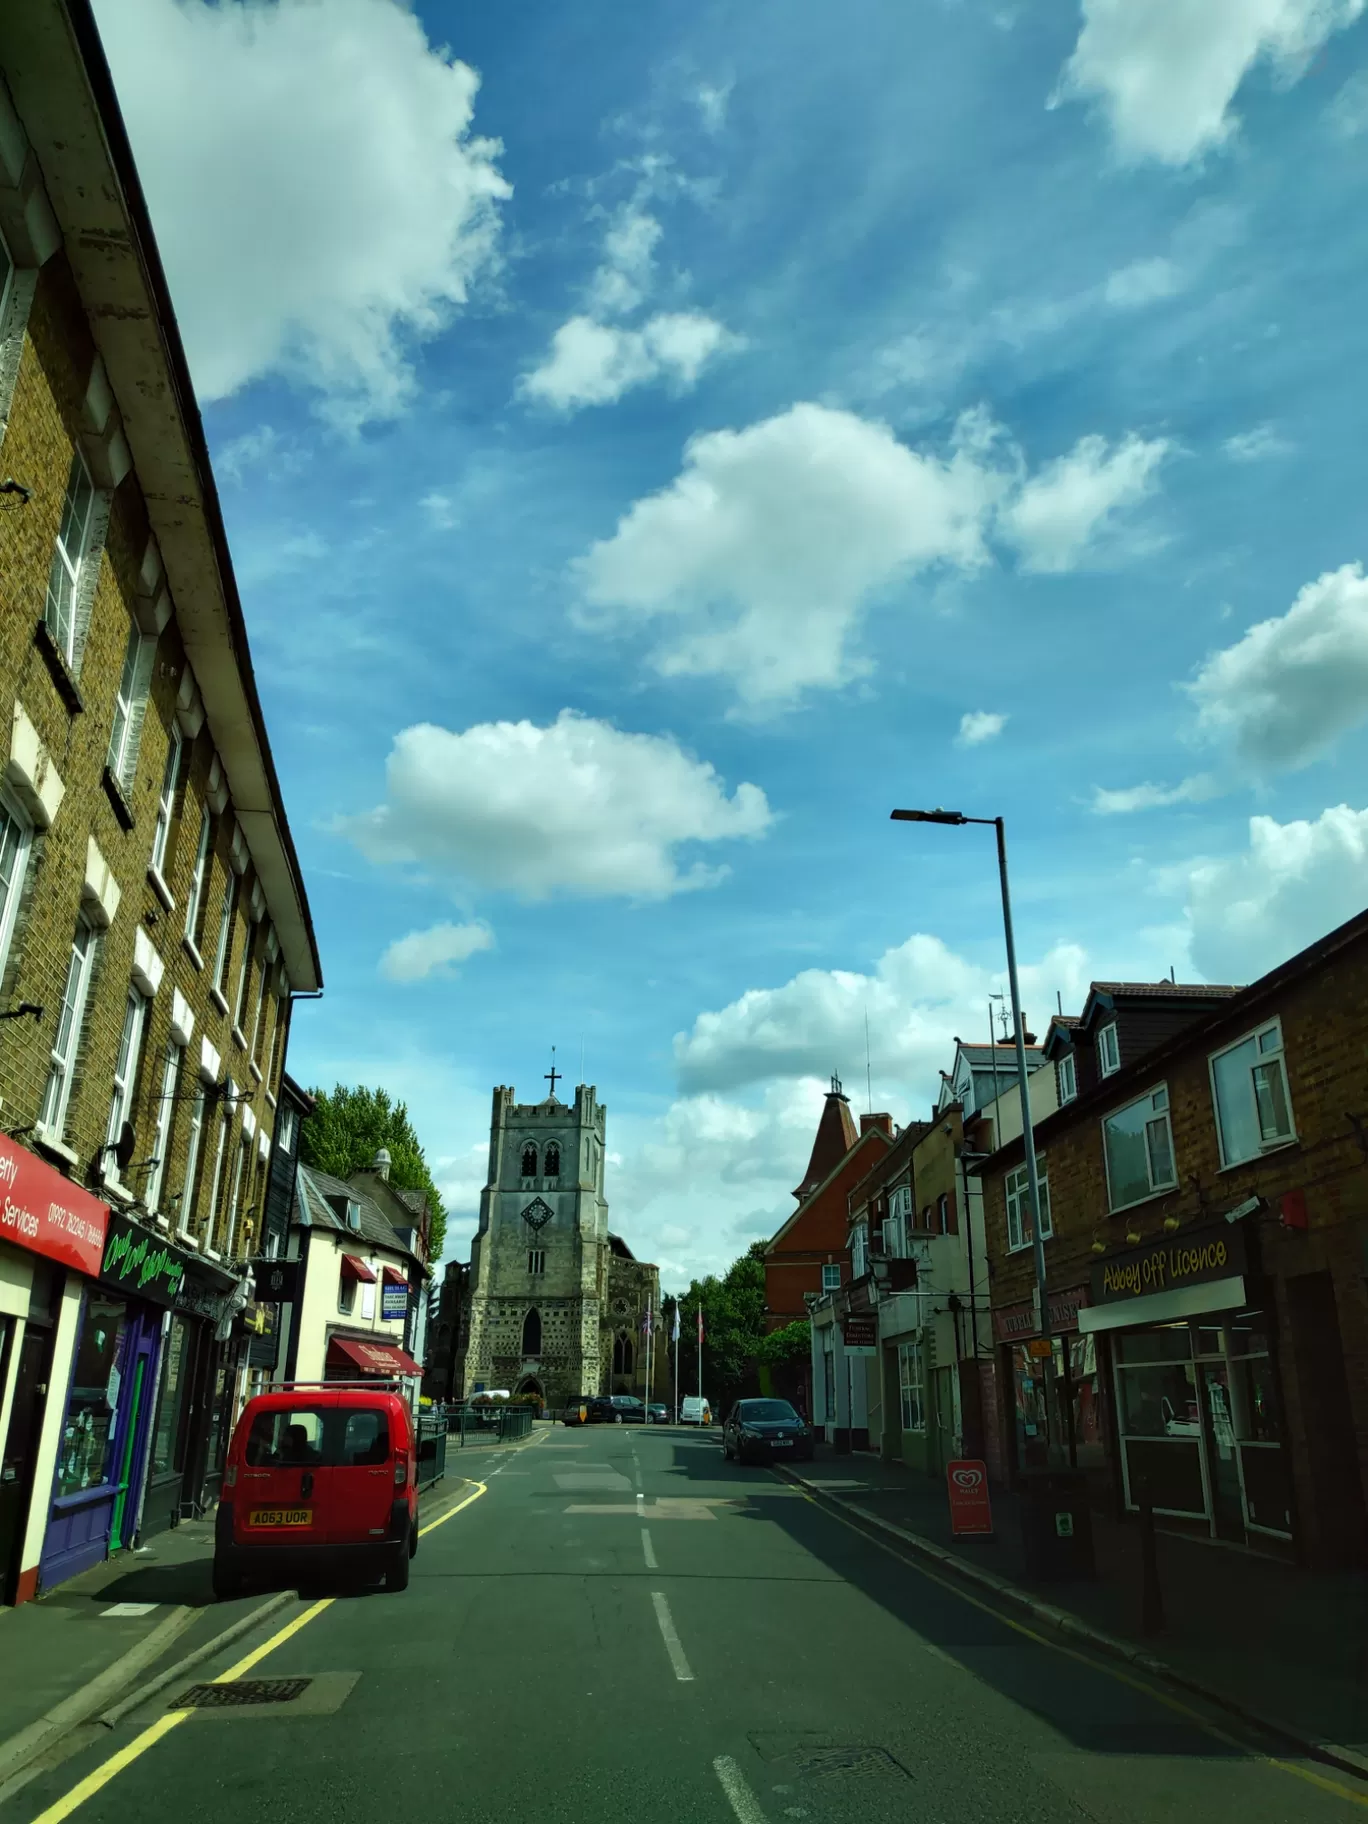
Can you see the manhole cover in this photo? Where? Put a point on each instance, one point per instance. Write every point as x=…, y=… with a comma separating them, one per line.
x=824, y=1763
x=241, y=1691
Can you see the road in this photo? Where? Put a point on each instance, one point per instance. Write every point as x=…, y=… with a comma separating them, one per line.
x=624, y=1626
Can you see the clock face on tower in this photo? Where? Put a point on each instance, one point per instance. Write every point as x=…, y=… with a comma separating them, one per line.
x=537, y=1214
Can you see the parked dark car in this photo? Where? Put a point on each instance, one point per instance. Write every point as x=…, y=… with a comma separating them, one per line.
x=623, y=1409
x=576, y=1410
x=765, y=1431
x=657, y=1414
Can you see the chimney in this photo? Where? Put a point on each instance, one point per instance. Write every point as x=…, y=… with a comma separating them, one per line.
x=884, y=1123
x=382, y=1164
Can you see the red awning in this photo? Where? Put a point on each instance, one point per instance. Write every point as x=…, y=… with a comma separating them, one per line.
x=352, y=1268
x=393, y=1277
x=370, y=1358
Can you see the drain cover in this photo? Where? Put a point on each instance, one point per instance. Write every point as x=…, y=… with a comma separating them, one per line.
x=241, y=1691
x=824, y=1763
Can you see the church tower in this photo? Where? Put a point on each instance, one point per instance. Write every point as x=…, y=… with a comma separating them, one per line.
x=539, y=1260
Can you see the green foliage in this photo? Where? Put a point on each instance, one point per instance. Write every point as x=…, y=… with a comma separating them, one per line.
x=734, y=1340
x=791, y=1344
x=347, y=1129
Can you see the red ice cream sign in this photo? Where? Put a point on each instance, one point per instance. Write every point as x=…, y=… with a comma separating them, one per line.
x=46, y=1213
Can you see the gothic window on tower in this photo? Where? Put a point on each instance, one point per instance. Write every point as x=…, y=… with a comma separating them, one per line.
x=529, y=1161
x=622, y=1355
x=531, y=1337
x=553, y=1161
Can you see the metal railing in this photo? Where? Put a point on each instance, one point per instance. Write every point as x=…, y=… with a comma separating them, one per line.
x=432, y=1449
x=502, y=1422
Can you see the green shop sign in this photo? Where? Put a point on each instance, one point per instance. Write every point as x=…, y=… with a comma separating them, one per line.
x=138, y=1262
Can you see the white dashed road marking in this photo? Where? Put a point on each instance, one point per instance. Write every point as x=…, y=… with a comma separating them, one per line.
x=742, y=1800
x=671, y=1638
x=649, y=1550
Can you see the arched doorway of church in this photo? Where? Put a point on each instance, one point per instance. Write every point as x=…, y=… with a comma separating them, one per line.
x=530, y=1384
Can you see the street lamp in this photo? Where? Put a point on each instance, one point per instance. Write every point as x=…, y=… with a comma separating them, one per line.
x=1032, y=1175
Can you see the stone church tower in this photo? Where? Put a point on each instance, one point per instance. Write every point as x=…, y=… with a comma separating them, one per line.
x=556, y=1302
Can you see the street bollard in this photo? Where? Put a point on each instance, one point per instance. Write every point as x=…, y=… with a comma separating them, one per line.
x=1151, y=1596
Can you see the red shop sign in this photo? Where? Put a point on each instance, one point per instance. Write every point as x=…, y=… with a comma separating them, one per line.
x=970, y=1510
x=48, y=1214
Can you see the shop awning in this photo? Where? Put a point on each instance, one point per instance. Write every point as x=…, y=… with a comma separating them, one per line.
x=393, y=1277
x=352, y=1268
x=370, y=1358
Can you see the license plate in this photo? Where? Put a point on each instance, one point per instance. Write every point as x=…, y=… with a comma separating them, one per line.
x=280, y=1516
x=781, y=1443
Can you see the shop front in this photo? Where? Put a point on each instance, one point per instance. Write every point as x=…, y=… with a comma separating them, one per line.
x=51, y=1232
x=103, y=1456
x=196, y=1387
x=352, y=1358
x=1198, y=1409
x=1027, y=1366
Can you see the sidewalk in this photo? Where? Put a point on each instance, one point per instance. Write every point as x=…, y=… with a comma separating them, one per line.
x=1258, y=1635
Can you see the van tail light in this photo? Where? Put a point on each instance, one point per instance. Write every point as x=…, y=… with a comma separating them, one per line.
x=400, y=1472
x=230, y=1476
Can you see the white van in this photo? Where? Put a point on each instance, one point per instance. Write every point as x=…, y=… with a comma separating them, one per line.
x=695, y=1411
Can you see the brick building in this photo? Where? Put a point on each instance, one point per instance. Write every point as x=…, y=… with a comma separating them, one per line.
x=1206, y=1187
x=153, y=921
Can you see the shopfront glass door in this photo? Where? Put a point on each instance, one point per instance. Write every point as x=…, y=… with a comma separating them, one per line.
x=1223, y=1462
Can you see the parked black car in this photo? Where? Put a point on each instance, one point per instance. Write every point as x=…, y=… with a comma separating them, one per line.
x=765, y=1431
x=580, y=1404
x=657, y=1414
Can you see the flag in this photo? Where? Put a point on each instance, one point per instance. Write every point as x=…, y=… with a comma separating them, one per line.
x=646, y=1322
x=674, y=1324
x=700, y=1326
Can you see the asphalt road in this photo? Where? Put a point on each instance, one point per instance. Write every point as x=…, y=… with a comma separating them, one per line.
x=623, y=1626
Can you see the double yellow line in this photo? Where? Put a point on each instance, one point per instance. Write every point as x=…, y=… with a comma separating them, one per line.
x=114, y=1766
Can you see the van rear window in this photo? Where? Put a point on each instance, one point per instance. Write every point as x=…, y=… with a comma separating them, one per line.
x=307, y=1438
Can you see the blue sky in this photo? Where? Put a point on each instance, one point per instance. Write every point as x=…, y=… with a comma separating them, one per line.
x=655, y=441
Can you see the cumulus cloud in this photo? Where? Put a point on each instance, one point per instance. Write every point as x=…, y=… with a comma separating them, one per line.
x=578, y=807
x=918, y=996
x=320, y=199
x=1292, y=685
x=1257, y=445
x=1143, y=282
x=436, y=951
x=1295, y=882
x=1147, y=797
x=628, y=267
x=711, y=100
x=1348, y=112
x=1062, y=513
x=1165, y=72
x=760, y=556
x=978, y=725
x=592, y=363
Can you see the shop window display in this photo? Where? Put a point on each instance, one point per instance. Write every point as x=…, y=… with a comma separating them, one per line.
x=88, y=1437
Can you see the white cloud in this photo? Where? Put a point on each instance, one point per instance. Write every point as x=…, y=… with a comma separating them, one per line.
x=1065, y=510
x=760, y=556
x=436, y=951
x=1143, y=282
x=592, y=363
x=1295, y=882
x=578, y=807
x=319, y=198
x=711, y=100
x=1195, y=790
x=1348, y=112
x=1292, y=685
x=978, y=725
x=441, y=511
x=628, y=267
x=918, y=996
x=1165, y=72
x=1257, y=445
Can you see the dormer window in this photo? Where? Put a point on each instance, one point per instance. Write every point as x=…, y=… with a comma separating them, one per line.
x=1108, y=1051
x=1067, y=1074
x=529, y=1161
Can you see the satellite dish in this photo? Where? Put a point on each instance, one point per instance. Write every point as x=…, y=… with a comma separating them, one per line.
x=125, y=1147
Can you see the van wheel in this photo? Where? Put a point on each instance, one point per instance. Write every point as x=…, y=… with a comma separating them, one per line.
x=413, y=1541
x=397, y=1576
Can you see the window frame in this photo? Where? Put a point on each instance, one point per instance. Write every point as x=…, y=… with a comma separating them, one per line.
x=287, y=1125
x=536, y=1261
x=1262, y=1058
x=244, y=975
x=911, y=1383
x=122, y=755
x=1155, y=1190
x=63, y=562
x=859, y=1251
x=11, y=815
x=220, y=1145
x=127, y=1061
x=195, y=894
x=1108, y=1057
x=193, y=1144
x=1067, y=1065
x=172, y=1065
x=1019, y=1195
x=223, y=951
x=66, y=1041
x=829, y=1284
x=166, y=803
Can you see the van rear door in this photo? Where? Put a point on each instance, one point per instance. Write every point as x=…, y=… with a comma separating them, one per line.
x=284, y=1490
x=364, y=1486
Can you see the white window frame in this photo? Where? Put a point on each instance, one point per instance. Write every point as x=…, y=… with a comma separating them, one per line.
x=225, y=1122
x=192, y=1153
x=859, y=1252
x=943, y=1213
x=1108, y=1055
x=1067, y=1070
x=1264, y=1056
x=166, y=804
x=346, y=1292
x=900, y=1201
x=244, y=975
x=16, y=834
x=223, y=952
x=254, y=1039
x=1016, y=1189
x=161, y=1132
x=234, y=1196
x=121, y=758
x=831, y=1276
x=125, y=1074
x=68, y=557
x=194, y=899
x=286, y=1128
x=66, y=1041
x=895, y=1237
x=911, y=1386
x=1159, y=1111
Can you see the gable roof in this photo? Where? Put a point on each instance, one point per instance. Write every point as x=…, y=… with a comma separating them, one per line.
x=312, y=1210
x=836, y=1136
x=865, y=1141
x=893, y=1161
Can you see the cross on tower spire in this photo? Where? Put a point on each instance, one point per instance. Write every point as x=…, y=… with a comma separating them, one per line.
x=553, y=1074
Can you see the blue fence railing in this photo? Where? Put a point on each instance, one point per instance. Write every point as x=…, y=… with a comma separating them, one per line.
x=503, y=1423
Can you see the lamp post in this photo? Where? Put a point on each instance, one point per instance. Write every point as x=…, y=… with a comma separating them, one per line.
x=957, y=818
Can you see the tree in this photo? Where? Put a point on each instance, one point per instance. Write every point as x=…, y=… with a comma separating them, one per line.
x=733, y=1329
x=347, y=1129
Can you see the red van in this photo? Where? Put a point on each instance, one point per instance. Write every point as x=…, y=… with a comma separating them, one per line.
x=319, y=1481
